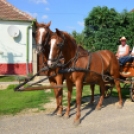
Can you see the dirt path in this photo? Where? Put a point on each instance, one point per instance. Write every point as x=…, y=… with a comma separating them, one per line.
x=109, y=120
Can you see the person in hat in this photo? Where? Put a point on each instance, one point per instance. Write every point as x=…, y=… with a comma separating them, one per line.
x=123, y=53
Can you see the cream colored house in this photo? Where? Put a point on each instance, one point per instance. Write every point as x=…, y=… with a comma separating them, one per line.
x=16, y=43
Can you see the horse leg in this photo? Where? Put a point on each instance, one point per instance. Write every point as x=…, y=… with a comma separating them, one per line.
x=92, y=86
x=117, y=84
x=60, y=95
x=102, y=87
x=70, y=87
x=115, y=73
x=79, y=87
x=56, y=95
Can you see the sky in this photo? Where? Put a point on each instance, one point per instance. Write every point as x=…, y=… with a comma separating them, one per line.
x=67, y=15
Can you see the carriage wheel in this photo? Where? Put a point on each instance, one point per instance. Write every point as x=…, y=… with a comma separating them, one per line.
x=132, y=92
x=108, y=91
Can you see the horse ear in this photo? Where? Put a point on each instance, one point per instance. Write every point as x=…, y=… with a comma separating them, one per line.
x=48, y=25
x=59, y=33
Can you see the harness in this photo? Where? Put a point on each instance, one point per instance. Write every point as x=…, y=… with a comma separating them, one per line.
x=73, y=68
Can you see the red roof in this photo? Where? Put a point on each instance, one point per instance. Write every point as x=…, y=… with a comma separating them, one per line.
x=9, y=12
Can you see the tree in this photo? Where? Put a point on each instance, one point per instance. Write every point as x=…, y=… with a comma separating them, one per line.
x=104, y=27
x=100, y=28
x=79, y=37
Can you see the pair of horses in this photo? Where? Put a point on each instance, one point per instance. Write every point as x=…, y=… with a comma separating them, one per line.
x=81, y=65
x=43, y=37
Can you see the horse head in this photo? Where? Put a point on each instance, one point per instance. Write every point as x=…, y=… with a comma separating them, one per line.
x=56, y=46
x=41, y=35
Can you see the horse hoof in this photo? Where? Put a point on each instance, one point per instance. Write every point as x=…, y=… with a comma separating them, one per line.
x=76, y=123
x=98, y=108
x=59, y=115
x=119, y=106
x=66, y=116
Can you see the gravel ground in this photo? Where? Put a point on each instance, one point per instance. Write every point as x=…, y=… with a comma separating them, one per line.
x=109, y=120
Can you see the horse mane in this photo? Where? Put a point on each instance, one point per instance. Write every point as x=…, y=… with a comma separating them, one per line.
x=70, y=37
x=82, y=50
x=81, y=47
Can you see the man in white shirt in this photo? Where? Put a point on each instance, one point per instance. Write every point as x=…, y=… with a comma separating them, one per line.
x=123, y=53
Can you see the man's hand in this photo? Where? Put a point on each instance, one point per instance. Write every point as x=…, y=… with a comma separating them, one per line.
x=117, y=55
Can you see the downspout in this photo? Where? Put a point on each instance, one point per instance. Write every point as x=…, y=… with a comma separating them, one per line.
x=27, y=46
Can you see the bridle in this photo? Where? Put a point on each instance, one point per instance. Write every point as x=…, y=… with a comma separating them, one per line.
x=56, y=60
x=44, y=43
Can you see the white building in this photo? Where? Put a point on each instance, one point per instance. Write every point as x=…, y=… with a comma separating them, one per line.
x=15, y=52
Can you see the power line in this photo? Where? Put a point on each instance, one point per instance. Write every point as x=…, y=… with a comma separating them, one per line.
x=59, y=13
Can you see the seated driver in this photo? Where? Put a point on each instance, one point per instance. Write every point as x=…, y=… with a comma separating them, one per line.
x=123, y=53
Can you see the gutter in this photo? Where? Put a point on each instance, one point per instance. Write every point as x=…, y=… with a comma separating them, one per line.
x=27, y=47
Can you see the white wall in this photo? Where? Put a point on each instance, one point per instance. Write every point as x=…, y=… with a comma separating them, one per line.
x=14, y=49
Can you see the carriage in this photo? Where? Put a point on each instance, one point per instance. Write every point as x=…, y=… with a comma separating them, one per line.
x=126, y=73
x=127, y=78
x=80, y=68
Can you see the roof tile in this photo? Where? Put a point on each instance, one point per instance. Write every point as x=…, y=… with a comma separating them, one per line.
x=9, y=12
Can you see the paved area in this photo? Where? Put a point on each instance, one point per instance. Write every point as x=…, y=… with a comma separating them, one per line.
x=109, y=120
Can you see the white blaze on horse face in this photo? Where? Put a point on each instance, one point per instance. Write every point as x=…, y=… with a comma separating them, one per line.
x=53, y=42
x=41, y=31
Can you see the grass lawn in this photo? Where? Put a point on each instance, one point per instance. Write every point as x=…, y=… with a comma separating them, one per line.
x=87, y=92
x=9, y=78
x=13, y=102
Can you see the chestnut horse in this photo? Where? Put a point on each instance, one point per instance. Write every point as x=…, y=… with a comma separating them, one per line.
x=96, y=65
x=42, y=37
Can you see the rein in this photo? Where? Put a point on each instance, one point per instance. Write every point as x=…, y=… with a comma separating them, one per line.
x=47, y=39
x=31, y=78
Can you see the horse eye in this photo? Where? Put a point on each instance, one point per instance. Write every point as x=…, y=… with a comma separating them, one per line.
x=59, y=45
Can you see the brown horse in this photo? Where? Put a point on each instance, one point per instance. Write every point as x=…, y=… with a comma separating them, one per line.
x=42, y=37
x=89, y=68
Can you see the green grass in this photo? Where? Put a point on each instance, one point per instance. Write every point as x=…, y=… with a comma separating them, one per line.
x=124, y=91
x=87, y=93
x=13, y=102
x=10, y=78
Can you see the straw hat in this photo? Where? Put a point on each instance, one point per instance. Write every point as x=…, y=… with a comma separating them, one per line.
x=123, y=38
